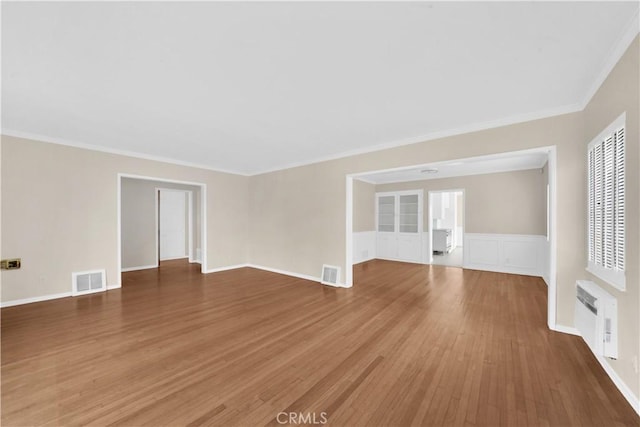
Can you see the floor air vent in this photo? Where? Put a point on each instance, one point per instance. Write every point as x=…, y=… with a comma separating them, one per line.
x=330, y=275
x=87, y=282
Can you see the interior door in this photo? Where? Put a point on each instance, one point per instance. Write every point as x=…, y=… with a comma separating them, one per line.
x=172, y=224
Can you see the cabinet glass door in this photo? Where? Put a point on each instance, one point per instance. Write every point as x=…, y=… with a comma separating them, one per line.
x=409, y=211
x=386, y=213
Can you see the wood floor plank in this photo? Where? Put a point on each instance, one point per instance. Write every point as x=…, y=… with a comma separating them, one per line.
x=407, y=345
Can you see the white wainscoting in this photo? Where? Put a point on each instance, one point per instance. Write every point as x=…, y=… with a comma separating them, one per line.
x=546, y=260
x=506, y=253
x=459, y=237
x=364, y=246
x=426, y=248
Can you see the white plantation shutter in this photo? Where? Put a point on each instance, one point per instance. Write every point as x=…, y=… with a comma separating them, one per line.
x=619, y=201
x=606, y=213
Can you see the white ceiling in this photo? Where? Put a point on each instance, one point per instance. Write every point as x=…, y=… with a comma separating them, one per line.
x=503, y=162
x=251, y=87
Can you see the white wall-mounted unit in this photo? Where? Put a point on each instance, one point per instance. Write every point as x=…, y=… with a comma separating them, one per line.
x=88, y=282
x=596, y=318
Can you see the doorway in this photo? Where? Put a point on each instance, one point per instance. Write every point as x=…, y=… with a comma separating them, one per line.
x=446, y=227
x=491, y=163
x=138, y=203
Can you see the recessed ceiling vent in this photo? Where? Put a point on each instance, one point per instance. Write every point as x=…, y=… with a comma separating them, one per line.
x=330, y=275
x=88, y=282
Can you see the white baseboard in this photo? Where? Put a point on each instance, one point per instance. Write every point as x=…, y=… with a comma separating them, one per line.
x=401, y=260
x=292, y=274
x=565, y=329
x=174, y=258
x=617, y=381
x=229, y=267
x=35, y=299
x=622, y=387
x=142, y=267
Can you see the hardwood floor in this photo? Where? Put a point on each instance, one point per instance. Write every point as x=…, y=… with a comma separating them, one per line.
x=407, y=345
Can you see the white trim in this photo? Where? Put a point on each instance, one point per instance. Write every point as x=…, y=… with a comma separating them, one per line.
x=142, y=267
x=175, y=258
x=284, y=272
x=617, y=51
x=156, y=255
x=190, y=225
x=614, y=278
x=552, y=238
x=203, y=225
x=474, y=127
x=493, y=156
x=119, y=225
x=462, y=173
x=348, y=266
x=619, y=122
x=127, y=153
x=617, y=381
x=35, y=299
x=292, y=274
x=226, y=268
x=565, y=329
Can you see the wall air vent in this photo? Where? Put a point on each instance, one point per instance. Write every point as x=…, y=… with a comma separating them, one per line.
x=330, y=275
x=88, y=282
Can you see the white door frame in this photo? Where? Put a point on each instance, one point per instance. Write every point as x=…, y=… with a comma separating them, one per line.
x=551, y=152
x=203, y=216
x=189, y=224
x=430, y=225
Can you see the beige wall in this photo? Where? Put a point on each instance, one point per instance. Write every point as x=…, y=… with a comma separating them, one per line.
x=60, y=213
x=298, y=215
x=364, y=206
x=138, y=221
x=502, y=203
x=620, y=93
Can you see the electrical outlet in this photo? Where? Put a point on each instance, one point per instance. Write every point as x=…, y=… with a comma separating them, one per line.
x=10, y=264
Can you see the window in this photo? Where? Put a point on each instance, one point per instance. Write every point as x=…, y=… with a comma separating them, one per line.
x=606, y=188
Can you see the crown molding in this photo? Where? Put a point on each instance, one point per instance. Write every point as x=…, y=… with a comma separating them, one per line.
x=475, y=127
x=127, y=153
x=627, y=36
